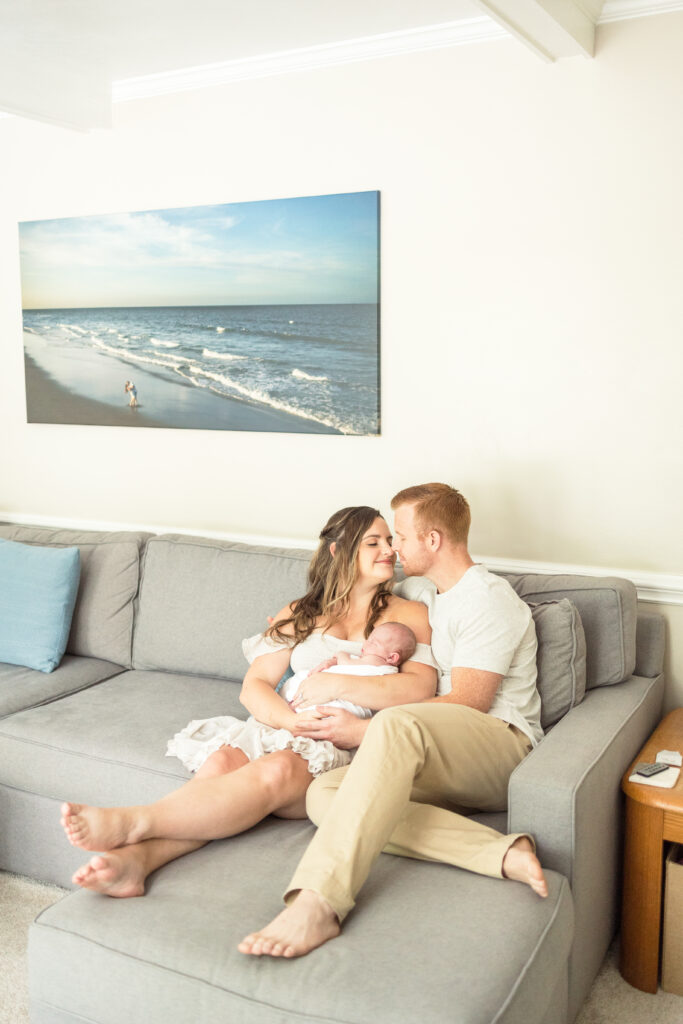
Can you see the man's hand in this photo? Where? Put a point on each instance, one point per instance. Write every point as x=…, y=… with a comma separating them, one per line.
x=338, y=726
x=317, y=688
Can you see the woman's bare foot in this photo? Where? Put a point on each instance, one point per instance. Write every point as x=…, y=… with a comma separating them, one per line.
x=101, y=828
x=522, y=865
x=304, y=925
x=120, y=873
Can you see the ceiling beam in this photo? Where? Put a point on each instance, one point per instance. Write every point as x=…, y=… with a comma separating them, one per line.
x=553, y=29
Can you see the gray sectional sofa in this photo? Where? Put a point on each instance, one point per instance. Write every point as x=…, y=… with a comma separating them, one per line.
x=155, y=642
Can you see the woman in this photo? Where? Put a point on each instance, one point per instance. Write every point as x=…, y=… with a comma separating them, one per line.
x=349, y=594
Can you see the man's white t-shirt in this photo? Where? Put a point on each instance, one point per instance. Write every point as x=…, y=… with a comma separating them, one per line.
x=482, y=623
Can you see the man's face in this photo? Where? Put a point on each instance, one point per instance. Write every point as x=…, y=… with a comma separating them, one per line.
x=413, y=552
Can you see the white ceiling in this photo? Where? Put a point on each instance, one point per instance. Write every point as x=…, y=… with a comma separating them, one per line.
x=60, y=58
x=140, y=37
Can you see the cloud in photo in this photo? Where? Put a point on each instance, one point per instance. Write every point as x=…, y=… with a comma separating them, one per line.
x=322, y=249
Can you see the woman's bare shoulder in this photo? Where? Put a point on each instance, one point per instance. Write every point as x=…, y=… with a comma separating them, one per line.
x=282, y=616
x=411, y=613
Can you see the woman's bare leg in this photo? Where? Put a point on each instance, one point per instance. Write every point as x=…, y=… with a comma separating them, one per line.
x=203, y=809
x=123, y=872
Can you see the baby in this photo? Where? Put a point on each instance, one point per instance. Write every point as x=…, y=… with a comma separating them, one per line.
x=387, y=647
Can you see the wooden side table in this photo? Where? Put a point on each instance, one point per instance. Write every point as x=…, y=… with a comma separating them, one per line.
x=653, y=816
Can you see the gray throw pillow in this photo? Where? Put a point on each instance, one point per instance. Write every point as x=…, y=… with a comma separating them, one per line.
x=102, y=625
x=561, y=658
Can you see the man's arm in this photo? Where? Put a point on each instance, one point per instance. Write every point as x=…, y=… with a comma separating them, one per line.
x=473, y=687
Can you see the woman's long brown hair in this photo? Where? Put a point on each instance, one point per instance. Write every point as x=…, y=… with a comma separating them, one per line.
x=331, y=578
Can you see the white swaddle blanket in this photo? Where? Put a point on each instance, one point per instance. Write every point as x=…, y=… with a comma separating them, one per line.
x=291, y=685
x=202, y=737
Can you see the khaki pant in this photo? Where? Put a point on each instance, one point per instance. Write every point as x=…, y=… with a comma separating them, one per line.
x=416, y=766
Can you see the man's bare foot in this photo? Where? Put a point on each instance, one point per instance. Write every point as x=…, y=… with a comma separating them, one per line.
x=119, y=873
x=101, y=828
x=522, y=865
x=304, y=925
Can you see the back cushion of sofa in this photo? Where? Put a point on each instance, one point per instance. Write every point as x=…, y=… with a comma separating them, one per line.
x=199, y=598
x=102, y=624
x=607, y=606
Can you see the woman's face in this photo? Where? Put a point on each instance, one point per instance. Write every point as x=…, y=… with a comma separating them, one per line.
x=375, y=556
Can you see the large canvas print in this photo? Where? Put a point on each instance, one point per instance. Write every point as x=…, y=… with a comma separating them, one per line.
x=242, y=316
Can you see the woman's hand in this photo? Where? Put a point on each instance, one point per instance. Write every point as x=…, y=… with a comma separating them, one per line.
x=304, y=722
x=340, y=727
x=317, y=688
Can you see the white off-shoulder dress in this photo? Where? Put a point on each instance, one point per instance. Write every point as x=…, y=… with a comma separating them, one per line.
x=203, y=737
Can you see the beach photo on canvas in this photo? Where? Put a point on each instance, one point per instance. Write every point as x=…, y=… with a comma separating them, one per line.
x=242, y=316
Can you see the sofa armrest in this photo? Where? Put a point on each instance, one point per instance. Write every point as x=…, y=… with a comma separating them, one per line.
x=567, y=794
x=561, y=791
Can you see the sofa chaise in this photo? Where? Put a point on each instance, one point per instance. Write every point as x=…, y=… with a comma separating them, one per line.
x=155, y=642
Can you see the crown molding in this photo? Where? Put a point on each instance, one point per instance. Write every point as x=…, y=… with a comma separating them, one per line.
x=389, y=44
x=621, y=10
x=311, y=58
x=652, y=587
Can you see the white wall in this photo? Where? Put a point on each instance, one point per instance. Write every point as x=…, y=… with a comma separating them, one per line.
x=531, y=315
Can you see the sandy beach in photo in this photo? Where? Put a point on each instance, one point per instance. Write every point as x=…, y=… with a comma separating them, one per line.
x=77, y=386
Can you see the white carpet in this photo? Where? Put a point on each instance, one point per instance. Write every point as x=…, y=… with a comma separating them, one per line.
x=20, y=901
x=611, y=1001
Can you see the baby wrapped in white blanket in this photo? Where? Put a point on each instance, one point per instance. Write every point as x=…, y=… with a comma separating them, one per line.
x=387, y=647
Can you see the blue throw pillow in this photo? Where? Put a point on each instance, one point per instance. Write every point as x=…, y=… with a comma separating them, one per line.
x=38, y=588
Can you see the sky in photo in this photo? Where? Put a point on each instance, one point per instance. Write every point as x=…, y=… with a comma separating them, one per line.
x=321, y=249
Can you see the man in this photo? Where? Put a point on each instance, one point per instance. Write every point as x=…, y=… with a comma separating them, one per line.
x=456, y=750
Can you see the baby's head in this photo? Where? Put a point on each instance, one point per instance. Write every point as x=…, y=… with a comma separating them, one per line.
x=393, y=642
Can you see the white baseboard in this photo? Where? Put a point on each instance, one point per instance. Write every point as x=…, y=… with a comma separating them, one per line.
x=653, y=587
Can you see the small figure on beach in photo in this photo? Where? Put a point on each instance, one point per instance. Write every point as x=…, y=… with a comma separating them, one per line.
x=133, y=392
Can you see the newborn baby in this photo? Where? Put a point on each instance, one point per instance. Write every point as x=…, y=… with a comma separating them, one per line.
x=387, y=647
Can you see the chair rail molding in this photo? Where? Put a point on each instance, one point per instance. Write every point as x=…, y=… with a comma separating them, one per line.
x=652, y=587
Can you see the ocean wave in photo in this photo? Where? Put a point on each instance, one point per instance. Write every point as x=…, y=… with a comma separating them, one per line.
x=306, y=376
x=225, y=356
x=319, y=363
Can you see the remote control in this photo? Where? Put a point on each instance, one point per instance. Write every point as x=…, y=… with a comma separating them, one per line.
x=651, y=769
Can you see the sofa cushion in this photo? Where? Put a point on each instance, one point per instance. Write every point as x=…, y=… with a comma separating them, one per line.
x=38, y=587
x=107, y=744
x=217, y=593
x=102, y=625
x=22, y=688
x=561, y=658
x=479, y=949
x=607, y=606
